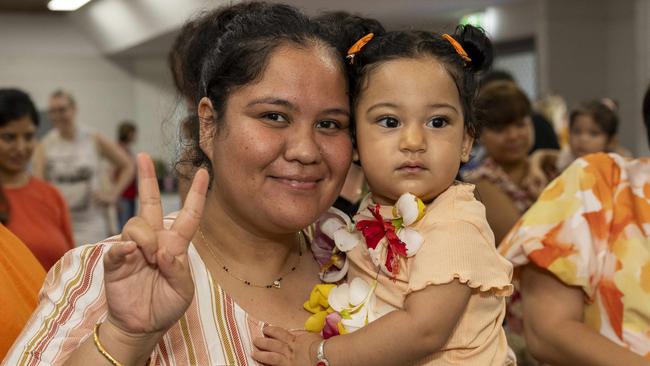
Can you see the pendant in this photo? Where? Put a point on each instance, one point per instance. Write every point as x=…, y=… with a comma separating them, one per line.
x=276, y=284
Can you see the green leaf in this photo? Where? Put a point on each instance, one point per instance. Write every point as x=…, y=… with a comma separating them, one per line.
x=398, y=223
x=345, y=314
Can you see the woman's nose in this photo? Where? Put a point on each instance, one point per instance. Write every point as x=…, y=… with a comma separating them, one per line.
x=302, y=145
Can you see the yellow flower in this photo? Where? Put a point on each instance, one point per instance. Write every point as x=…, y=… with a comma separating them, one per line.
x=316, y=322
x=318, y=306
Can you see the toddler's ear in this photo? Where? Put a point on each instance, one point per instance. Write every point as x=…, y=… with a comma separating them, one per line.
x=466, y=148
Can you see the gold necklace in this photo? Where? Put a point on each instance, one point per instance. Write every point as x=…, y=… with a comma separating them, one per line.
x=277, y=283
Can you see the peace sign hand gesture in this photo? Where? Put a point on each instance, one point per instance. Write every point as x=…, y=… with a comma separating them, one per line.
x=147, y=277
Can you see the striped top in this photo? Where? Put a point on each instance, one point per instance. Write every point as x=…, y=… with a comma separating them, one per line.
x=213, y=331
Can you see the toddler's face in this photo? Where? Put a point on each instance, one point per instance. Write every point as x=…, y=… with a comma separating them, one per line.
x=410, y=129
x=586, y=137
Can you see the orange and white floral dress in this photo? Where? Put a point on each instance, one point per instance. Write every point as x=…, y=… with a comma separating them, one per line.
x=591, y=228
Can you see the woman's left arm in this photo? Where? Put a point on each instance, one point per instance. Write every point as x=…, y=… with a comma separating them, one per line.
x=120, y=159
x=554, y=326
x=398, y=338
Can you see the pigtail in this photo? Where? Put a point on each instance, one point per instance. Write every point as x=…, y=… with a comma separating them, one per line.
x=346, y=29
x=477, y=46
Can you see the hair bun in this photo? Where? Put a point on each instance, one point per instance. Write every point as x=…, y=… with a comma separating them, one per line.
x=477, y=45
x=346, y=29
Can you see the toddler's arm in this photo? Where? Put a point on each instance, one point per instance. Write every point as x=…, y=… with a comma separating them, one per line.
x=398, y=338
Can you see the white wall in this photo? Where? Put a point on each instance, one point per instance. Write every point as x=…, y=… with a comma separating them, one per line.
x=41, y=53
x=590, y=50
x=157, y=109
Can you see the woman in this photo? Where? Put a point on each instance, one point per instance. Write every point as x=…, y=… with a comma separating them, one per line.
x=507, y=137
x=584, y=255
x=31, y=203
x=190, y=288
x=21, y=276
x=127, y=134
x=69, y=157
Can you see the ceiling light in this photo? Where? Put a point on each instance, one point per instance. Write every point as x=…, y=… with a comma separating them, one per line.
x=66, y=5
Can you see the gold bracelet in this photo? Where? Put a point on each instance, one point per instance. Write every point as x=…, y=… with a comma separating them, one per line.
x=101, y=349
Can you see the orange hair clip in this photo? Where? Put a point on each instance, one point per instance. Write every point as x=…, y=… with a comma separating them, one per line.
x=459, y=49
x=358, y=46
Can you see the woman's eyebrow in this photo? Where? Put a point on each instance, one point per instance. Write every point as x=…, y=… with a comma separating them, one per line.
x=291, y=106
x=341, y=111
x=274, y=101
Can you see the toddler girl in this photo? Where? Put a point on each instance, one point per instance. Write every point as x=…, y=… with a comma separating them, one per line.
x=425, y=283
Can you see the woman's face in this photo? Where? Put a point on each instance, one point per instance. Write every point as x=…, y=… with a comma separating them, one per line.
x=282, y=148
x=17, y=143
x=586, y=137
x=510, y=144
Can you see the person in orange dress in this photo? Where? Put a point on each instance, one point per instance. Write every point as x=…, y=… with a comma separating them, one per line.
x=21, y=276
x=583, y=257
x=34, y=210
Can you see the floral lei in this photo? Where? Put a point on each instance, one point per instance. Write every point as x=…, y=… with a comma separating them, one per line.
x=347, y=307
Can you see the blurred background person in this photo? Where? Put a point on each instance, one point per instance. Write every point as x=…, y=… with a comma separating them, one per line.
x=544, y=134
x=127, y=134
x=507, y=137
x=592, y=128
x=34, y=209
x=69, y=157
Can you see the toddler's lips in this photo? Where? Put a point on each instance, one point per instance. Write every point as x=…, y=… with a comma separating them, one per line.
x=411, y=167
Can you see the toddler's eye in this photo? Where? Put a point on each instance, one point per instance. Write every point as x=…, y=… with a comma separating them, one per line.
x=388, y=122
x=437, y=122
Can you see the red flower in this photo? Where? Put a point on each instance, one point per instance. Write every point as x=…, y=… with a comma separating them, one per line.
x=374, y=230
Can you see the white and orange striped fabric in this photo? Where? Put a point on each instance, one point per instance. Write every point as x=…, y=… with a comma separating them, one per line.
x=213, y=331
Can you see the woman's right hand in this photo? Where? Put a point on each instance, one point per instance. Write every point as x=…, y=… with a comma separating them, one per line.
x=147, y=276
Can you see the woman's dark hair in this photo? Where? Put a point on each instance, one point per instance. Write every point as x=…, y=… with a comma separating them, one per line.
x=187, y=86
x=125, y=130
x=387, y=46
x=16, y=104
x=604, y=117
x=230, y=47
x=501, y=103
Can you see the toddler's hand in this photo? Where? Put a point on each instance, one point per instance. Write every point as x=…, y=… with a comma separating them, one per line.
x=280, y=347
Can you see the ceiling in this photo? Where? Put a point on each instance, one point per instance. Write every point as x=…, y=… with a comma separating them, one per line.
x=23, y=6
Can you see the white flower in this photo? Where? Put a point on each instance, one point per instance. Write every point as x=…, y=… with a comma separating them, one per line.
x=340, y=229
x=410, y=208
x=355, y=302
x=412, y=239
